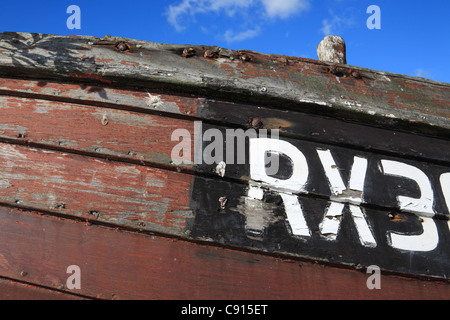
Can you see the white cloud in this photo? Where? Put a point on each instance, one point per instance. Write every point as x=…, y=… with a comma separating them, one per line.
x=284, y=8
x=336, y=23
x=230, y=36
x=423, y=73
x=327, y=27
x=181, y=14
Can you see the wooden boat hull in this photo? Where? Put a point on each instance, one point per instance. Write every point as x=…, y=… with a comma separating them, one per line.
x=91, y=175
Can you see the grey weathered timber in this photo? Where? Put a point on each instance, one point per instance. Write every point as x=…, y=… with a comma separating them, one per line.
x=376, y=97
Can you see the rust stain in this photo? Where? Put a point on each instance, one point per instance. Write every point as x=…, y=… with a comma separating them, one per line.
x=130, y=63
x=397, y=217
x=277, y=123
x=228, y=67
x=103, y=60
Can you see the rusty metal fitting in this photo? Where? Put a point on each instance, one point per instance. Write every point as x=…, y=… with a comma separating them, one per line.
x=122, y=46
x=188, y=52
x=210, y=54
x=223, y=201
x=256, y=123
x=339, y=71
x=245, y=57
x=356, y=75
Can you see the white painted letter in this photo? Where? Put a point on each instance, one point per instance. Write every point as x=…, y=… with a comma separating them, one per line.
x=74, y=21
x=300, y=171
x=354, y=192
x=429, y=238
x=423, y=205
x=341, y=193
x=427, y=241
x=295, y=183
x=295, y=216
x=331, y=222
x=445, y=185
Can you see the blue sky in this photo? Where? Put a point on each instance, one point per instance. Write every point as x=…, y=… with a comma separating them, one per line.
x=414, y=38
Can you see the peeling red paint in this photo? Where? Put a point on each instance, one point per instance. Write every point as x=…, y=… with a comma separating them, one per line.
x=129, y=63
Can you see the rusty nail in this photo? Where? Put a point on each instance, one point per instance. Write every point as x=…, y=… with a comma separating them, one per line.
x=245, y=57
x=94, y=213
x=188, y=52
x=256, y=123
x=23, y=273
x=223, y=201
x=61, y=205
x=122, y=46
x=104, y=120
x=263, y=89
x=210, y=54
x=356, y=75
x=338, y=71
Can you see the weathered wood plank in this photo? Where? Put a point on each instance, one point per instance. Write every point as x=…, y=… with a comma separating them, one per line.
x=124, y=265
x=320, y=229
x=148, y=138
x=13, y=290
x=89, y=188
x=189, y=206
x=405, y=172
x=286, y=82
x=102, y=131
x=300, y=125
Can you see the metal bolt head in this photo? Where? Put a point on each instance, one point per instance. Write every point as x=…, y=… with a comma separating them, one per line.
x=223, y=201
x=122, y=46
x=210, y=54
x=356, y=75
x=245, y=57
x=188, y=52
x=256, y=123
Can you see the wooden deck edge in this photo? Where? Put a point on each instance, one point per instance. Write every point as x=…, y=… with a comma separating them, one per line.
x=375, y=97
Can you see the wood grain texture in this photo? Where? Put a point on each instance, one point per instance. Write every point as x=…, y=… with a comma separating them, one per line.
x=86, y=136
x=294, y=124
x=124, y=265
x=101, y=131
x=76, y=179
x=285, y=82
x=147, y=139
x=13, y=290
x=90, y=188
